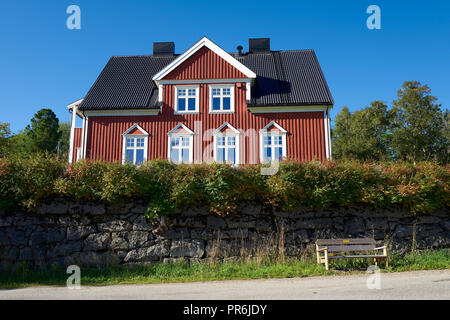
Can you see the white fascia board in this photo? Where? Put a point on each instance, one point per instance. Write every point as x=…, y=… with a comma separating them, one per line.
x=197, y=81
x=123, y=112
x=282, y=109
x=74, y=104
x=213, y=47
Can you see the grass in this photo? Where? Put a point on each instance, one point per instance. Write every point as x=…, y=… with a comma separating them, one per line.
x=204, y=271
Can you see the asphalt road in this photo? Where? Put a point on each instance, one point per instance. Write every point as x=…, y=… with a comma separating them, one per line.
x=405, y=285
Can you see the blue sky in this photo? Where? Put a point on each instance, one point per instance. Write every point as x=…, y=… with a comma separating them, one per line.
x=43, y=64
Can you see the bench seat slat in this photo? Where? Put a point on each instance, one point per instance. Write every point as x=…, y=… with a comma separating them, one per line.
x=358, y=256
x=326, y=242
x=341, y=248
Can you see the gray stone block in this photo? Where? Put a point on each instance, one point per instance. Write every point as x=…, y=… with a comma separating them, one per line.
x=187, y=248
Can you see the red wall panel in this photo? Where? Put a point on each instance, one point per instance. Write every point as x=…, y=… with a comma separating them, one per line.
x=204, y=64
x=305, y=139
x=76, y=142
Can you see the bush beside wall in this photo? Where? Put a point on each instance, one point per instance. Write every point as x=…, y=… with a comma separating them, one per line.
x=421, y=188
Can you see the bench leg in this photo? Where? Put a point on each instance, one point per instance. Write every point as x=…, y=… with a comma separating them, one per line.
x=318, y=254
x=375, y=261
x=326, y=260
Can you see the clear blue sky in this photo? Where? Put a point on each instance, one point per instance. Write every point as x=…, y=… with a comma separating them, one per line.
x=43, y=64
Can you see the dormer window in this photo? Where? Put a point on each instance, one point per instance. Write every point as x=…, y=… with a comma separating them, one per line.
x=221, y=98
x=186, y=99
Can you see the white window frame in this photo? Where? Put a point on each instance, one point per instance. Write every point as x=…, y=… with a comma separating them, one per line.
x=197, y=99
x=235, y=134
x=221, y=86
x=126, y=135
x=264, y=133
x=172, y=134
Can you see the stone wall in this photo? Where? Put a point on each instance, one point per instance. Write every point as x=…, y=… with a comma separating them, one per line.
x=96, y=234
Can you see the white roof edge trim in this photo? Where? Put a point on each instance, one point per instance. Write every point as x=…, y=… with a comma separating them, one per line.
x=73, y=104
x=135, y=126
x=273, y=123
x=212, y=46
x=180, y=125
x=226, y=124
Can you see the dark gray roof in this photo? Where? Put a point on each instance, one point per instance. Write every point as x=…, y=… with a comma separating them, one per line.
x=283, y=78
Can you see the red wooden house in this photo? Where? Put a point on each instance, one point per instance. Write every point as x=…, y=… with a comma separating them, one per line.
x=206, y=105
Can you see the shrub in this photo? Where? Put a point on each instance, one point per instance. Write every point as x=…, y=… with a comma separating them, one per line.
x=166, y=187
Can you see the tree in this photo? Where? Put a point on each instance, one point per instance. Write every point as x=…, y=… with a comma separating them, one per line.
x=420, y=129
x=64, y=141
x=5, y=134
x=363, y=135
x=44, y=132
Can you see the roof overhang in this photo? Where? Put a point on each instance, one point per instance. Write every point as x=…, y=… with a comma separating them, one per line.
x=123, y=112
x=204, y=42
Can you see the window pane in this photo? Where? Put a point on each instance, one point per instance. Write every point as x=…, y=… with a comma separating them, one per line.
x=185, y=141
x=267, y=154
x=215, y=92
x=185, y=155
x=231, y=156
x=175, y=155
x=267, y=141
x=226, y=91
x=278, y=153
x=216, y=104
x=182, y=104
x=191, y=92
x=226, y=104
x=220, y=141
x=220, y=154
x=129, y=156
x=139, y=156
x=175, y=141
x=231, y=141
x=181, y=92
x=130, y=142
x=191, y=104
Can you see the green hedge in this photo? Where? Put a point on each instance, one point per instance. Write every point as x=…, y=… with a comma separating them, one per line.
x=420, y=188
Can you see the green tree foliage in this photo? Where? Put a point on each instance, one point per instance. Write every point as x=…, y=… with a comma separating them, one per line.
x=414, y=129
x=5, y=134
x=364, y=135
x=64, y=141
x=420, y=127
x=44, y=131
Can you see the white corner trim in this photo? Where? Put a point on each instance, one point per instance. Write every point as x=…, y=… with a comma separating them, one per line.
x=325, y=125
x=204, y=42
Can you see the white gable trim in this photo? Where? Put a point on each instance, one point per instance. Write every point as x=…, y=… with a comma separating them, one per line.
x=273, y=123
x=226, y=124
x=204, y=42
x=134, y=126
x=180, y=125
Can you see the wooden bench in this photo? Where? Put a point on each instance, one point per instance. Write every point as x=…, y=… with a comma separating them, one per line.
x=326, y=246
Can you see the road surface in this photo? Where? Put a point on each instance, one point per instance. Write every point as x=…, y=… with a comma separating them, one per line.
x=404, y=285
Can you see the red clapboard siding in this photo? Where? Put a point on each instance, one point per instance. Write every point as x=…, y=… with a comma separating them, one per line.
x=76, y=142
x=204, y=64
x=305, y=139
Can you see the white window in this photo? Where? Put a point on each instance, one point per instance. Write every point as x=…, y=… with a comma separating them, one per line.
x=180, y=144
x=187, y=99
x=226, y=144
x=272, y=143
x=135, y=145
x=221, y=98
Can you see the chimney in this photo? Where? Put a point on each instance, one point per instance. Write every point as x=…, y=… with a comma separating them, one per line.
x=163, y=48
x=259, y=45
x=239, y=49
